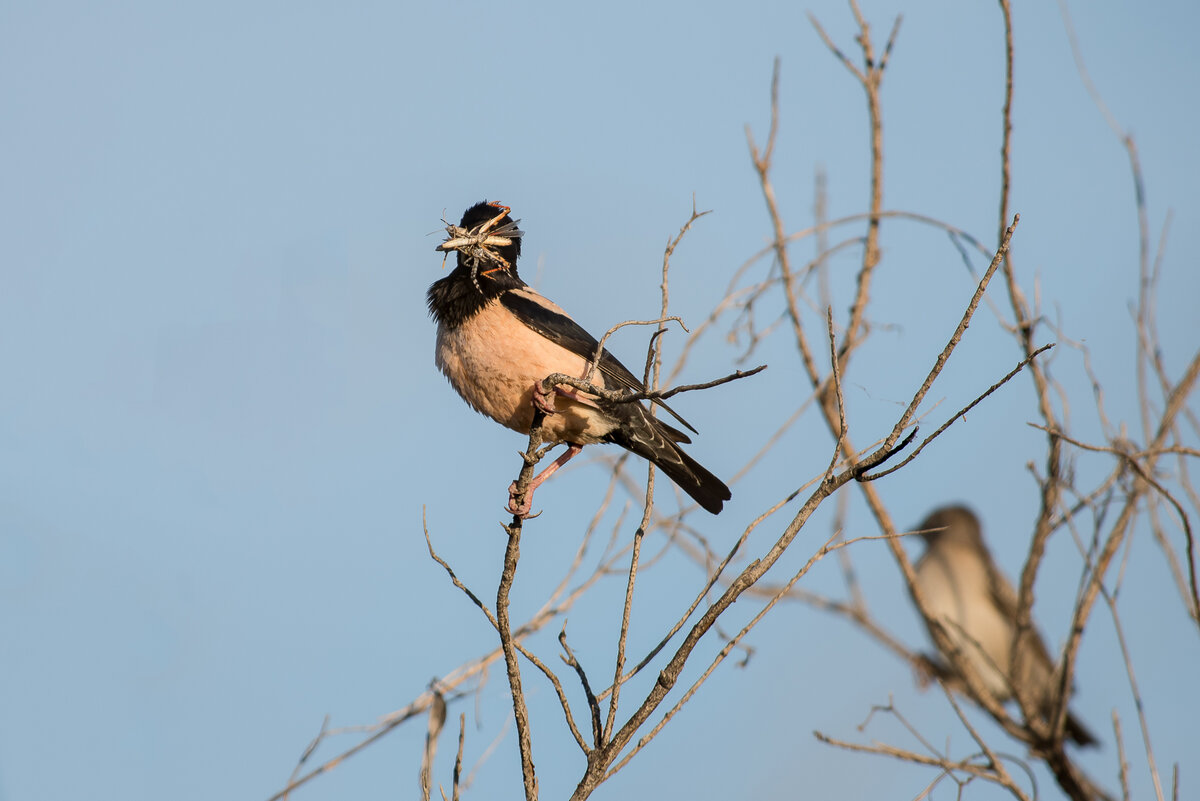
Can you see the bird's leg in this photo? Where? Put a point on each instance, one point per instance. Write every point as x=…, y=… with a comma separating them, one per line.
x=576, y=395
x=523, y=508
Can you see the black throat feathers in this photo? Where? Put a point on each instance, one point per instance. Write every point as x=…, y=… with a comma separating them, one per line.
x=462, y=294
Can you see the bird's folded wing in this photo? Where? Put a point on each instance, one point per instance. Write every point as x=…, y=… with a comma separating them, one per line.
x=546, y=318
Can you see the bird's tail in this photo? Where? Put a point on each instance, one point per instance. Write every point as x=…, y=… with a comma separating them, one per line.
x=691, y=477
x=653, y=440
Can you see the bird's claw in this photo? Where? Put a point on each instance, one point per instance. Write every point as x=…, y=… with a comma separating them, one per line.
x=543, y=400
x=520, y=510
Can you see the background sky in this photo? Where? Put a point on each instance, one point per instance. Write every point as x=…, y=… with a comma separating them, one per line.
x=220, y=420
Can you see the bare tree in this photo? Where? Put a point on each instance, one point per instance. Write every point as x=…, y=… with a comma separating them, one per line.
x=1146, y=486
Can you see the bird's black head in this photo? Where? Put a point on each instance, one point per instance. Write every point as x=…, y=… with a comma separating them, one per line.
x=487, y=238
x=488, y=243
x=485, y=211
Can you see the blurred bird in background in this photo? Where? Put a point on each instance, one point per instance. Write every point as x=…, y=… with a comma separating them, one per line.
x=498, y=339
x=977, y=607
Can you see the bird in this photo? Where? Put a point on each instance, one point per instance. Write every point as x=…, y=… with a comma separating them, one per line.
x=976, y=607
x=498, y=339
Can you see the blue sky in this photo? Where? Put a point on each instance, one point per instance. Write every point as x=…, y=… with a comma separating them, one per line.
x=220, y=419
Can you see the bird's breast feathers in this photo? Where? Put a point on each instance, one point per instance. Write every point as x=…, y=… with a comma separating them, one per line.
x=493, y=360
x=954, y=584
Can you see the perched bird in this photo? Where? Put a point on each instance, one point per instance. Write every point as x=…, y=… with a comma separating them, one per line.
x=977, y=608
x=498, y=339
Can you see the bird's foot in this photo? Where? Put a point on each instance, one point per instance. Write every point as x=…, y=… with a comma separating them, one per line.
x=543, y=400
x=521, y=510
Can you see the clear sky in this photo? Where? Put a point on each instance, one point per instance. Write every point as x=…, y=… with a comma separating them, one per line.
x=220, y=419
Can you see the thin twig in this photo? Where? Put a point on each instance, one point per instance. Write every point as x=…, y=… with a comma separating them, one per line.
x=725, y=651
x=959, y=415
x=629, y=396
x=437, y=719
x=940, y=363
x=593, y=704
x=1138, y=705
x=594, y=363
x=836, y=372
x=454, y=578
x=462, y=733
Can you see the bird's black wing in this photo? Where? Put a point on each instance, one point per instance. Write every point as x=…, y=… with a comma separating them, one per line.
x=554, y=325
